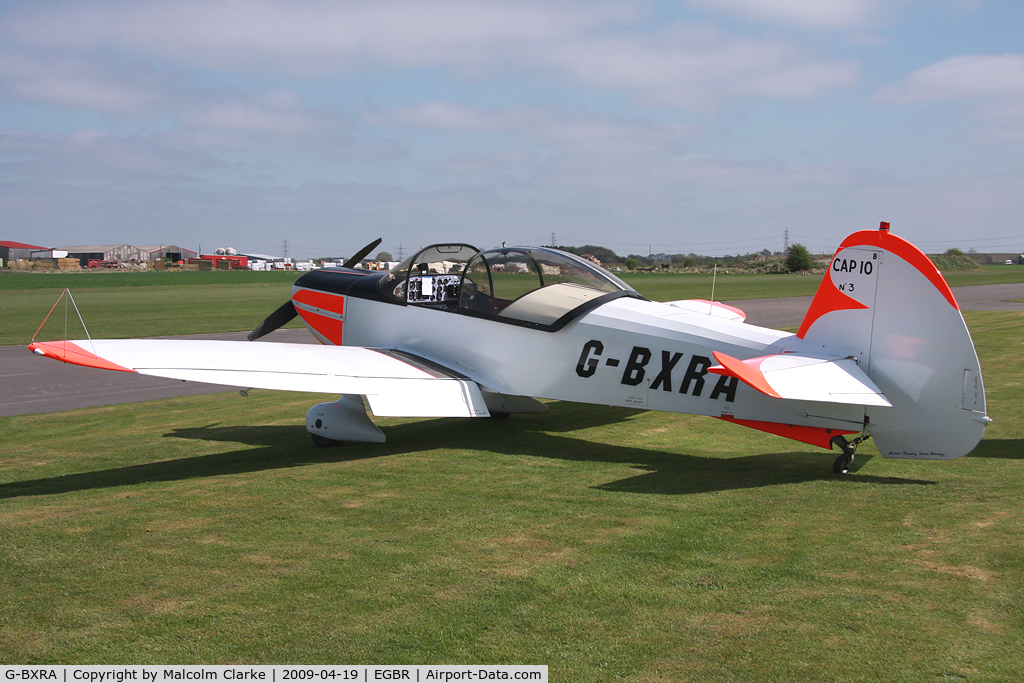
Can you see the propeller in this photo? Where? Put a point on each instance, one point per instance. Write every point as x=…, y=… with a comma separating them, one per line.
x=361, y=254
x=284, y=314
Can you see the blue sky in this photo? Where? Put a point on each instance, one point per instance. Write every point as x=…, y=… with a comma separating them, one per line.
x=699, y=125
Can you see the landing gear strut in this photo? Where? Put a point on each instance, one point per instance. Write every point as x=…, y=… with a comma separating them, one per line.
x=845, y=460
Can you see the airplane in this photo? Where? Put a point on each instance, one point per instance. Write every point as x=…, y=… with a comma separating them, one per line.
x=452, y=331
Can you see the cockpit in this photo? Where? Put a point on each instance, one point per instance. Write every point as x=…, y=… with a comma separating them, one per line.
x=531, y=286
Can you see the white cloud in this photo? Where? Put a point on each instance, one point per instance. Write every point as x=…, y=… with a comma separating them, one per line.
x=308, y=36
x=96, y=156
x=965, y=77
x=621, y=158
x=580, y=43
x=93, y=84
x=828, y=14
x=992, y=85
x=697, y=67
x=557, y=131
x=485, y=162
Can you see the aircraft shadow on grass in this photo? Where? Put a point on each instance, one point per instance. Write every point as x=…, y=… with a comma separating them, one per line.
x=543, y=436
x=1009, y=449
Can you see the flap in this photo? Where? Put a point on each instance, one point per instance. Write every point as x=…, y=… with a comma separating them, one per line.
x=830, y=379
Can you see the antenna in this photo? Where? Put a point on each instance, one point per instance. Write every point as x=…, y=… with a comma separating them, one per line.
x=554, y=242
x=785, y=241
x=285, y=248
x=77, y=312
x=714, y=276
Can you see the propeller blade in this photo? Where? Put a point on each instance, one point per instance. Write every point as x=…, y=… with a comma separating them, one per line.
x=284, y=314
x=275, y=320
x=351, y=263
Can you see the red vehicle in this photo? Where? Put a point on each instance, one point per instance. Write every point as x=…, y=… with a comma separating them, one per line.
x=234, y=261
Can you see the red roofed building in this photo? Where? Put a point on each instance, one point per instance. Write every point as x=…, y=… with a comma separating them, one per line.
x=12, y=251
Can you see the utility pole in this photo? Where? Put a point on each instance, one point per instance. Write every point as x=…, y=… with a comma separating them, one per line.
x=401, y=253
x=285, y=248
x=554, y=242
x=785, y=241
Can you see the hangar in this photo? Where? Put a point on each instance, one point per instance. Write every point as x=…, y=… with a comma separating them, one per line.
x=12, y=251
x=124, y=253
x=169, y=251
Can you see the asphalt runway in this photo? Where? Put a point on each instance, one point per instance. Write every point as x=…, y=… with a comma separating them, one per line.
x=31, y=384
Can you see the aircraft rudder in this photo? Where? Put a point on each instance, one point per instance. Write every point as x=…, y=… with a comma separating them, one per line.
x=886, y=303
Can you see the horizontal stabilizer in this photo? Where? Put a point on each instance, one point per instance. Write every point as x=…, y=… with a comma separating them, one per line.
x=831, y=379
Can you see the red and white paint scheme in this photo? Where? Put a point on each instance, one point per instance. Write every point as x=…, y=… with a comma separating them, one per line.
x=456, y=332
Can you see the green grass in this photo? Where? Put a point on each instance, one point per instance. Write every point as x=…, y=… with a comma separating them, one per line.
x=195, y=303
x=991, y=275
x=139, y=304
x=607, y=543
x=674, y=286
x=120, y=305
x=92, y=279
x=112, y=313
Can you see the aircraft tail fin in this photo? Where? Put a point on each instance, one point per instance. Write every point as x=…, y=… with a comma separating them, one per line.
x=885, y=303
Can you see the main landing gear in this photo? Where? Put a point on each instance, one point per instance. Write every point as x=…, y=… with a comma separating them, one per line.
x=845, y=460
x=324, y=442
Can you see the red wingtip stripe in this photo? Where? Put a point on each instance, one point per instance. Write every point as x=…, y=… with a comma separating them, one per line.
x=749, y=372
x=68, y=352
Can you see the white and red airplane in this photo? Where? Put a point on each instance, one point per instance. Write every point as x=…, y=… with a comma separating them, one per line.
x=456, y=332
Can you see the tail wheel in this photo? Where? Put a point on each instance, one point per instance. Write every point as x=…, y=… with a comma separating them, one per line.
x=845, y=460
x=842, y=464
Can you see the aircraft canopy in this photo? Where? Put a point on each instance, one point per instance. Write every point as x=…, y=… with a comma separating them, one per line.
x=534, y=284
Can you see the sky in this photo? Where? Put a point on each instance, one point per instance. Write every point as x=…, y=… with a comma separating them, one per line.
x=707, y=126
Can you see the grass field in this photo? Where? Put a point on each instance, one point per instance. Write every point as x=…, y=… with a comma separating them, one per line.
x=607, y=543
x=139, y=304
x=112, y=313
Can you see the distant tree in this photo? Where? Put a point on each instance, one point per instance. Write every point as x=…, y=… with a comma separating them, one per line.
x=953, y=251
x=632, y=263
x=798, y=258
x=384, y=256
x=602, y=254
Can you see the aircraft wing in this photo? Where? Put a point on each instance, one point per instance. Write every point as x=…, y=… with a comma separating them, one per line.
x=832, y=379
x=395, y=384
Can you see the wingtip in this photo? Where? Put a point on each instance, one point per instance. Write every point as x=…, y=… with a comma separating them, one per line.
x=69, y=352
